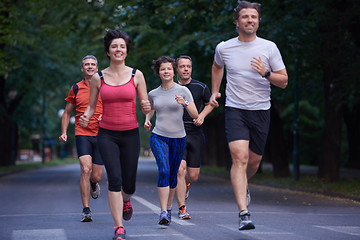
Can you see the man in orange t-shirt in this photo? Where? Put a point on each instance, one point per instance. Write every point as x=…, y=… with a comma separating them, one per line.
x=91, y=163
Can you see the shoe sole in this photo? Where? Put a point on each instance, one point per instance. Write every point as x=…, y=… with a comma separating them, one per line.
x=96, y=196
x=185, y=217
x=164, y=222
x=86, y=219
x=127, y=218
x=248, y=226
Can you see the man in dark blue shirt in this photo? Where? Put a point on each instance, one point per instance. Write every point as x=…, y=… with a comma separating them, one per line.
x=190, y=165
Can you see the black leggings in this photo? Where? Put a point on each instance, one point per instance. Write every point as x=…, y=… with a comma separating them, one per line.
x=120, y=153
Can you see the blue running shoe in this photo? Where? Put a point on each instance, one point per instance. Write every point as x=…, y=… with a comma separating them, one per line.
x=164, y=219
x=244, y=221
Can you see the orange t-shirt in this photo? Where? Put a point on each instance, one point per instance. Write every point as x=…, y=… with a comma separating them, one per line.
x=80, y=98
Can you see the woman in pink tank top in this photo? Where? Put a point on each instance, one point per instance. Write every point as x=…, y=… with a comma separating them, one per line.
x=118, y=85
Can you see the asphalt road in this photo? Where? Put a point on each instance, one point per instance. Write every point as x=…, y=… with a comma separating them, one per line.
x=45, y=204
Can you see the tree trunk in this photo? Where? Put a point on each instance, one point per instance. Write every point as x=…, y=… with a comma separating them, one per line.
x=329, y=164
x=8, y=142
x=352, y=119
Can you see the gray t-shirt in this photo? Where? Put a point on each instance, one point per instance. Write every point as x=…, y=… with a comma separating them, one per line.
x=245, y=88
x=169, y=114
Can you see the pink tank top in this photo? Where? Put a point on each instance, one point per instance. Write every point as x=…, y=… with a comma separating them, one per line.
x=119, y=103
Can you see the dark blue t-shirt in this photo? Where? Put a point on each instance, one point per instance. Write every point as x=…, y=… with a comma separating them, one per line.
x=201, y=94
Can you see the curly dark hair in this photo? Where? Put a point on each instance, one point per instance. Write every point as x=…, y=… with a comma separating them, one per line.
x=113, y=34
x=163, y=59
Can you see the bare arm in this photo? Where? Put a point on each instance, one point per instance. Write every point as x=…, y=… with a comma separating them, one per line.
x=217, y=73
x=190, y=108
x=149, y=115
x=65, y=121
x=140, y=85
x=278, y=78
x=94, y=94
x=200, y=120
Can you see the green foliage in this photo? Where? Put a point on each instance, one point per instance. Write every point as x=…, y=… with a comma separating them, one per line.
x=42, y=43
x=309, y=128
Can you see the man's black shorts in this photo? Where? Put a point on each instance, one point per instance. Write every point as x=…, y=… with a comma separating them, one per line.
x=251, y=125
x=194, y=150
x=87, y=145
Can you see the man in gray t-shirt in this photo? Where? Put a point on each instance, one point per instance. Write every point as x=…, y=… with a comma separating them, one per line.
x=252, y=64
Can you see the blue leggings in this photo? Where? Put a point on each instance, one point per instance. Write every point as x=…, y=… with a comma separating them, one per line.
x=168, y=153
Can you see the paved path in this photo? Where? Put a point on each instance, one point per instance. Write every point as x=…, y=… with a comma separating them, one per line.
x=45, y=204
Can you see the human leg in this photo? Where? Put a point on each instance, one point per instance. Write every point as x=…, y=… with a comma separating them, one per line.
x=98, y=163
x=192, y=174
x=86, y=168
x=116, y=207
x=253, y=164
x=110, y=153
x=129, y=157
x=181, y=184
x=195, y=154
x=239, y=151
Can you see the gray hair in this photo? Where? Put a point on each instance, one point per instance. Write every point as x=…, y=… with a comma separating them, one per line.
x=87, y=57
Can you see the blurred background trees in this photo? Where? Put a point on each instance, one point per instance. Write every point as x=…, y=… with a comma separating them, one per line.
x=314, y=120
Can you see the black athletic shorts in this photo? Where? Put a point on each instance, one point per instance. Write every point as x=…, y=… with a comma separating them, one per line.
x=251, y=125
x=194, y=150
x=87, y=145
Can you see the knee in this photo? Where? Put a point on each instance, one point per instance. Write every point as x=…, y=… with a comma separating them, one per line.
x=241, y=160
x=86, y=170
x=181, y=172
x=96, y=177
x=254, y=164
x=193, y=177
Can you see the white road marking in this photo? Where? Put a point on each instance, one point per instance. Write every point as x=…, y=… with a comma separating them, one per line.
x=39, y=234
x=156, y=210
x=254, y=233
x=351, y=230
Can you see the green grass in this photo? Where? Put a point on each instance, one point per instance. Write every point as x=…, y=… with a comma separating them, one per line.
x=31, y=165
x=343, y=187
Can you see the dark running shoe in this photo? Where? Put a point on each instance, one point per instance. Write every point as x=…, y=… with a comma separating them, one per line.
x=86, y=215
x=95, y=190
x=119, y=233
x=244, y=221
x=127, y=210
x=164, y=219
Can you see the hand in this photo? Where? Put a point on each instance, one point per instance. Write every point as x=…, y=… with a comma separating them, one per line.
x=84, y=121
x=145, y=106
x=258, y=65
x=180, y=100
x=63, y=137
x=213, y=98
x=199, y=121
x=147, y=125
